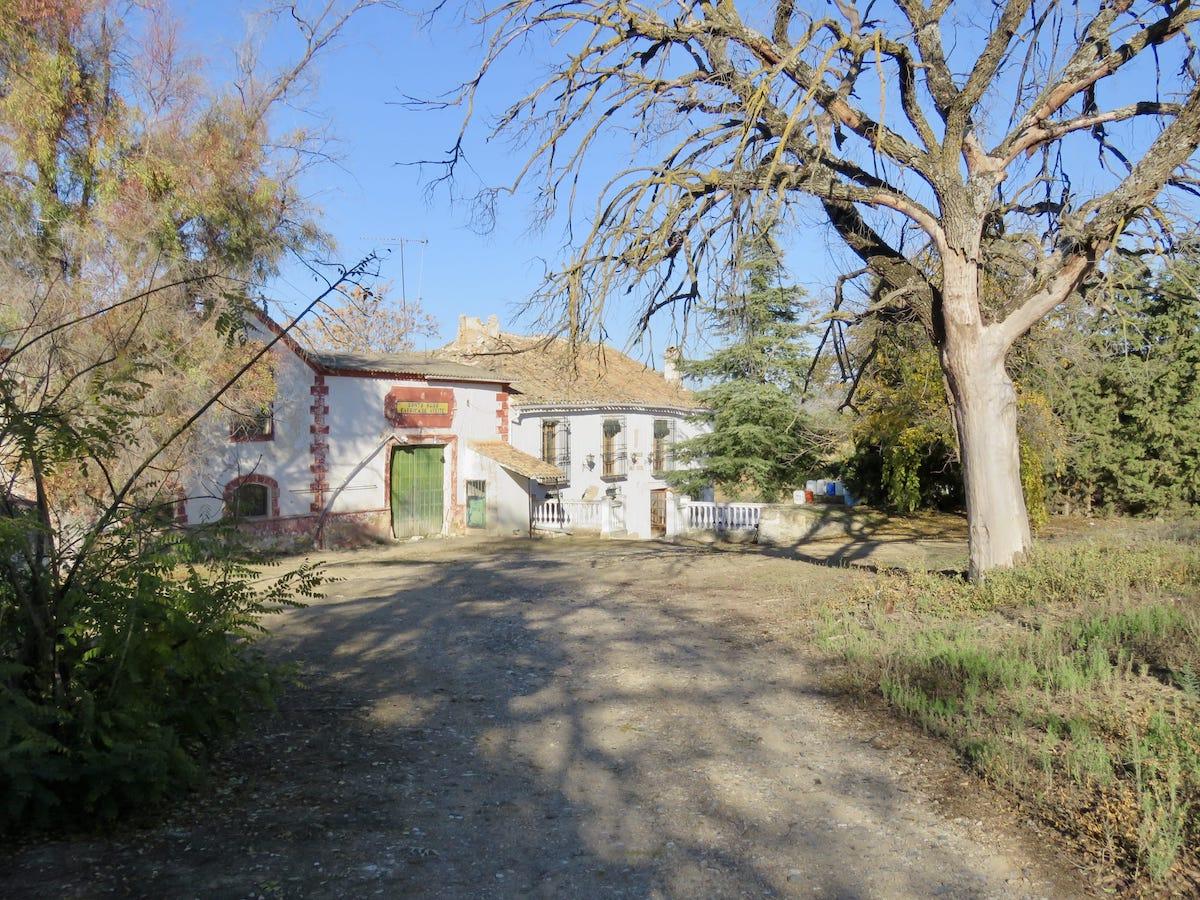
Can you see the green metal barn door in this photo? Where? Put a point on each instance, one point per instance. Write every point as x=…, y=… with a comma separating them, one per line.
x=417, y=491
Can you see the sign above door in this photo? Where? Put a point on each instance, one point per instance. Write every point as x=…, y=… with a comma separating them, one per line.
x=411, y=407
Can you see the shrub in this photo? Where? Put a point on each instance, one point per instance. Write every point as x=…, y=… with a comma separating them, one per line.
x=154, y=661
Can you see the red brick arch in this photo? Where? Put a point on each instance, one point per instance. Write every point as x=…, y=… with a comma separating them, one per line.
x=267, y=481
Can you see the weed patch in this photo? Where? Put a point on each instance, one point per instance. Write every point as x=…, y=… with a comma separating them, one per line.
x=1071, y=681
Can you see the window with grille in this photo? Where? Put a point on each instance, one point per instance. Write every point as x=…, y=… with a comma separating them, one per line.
x=663, y=454
x=556, y=443
x=249, y=501
x=613, y=455
x=257, y=426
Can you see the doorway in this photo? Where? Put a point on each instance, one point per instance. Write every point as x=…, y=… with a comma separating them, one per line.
x=476, y=504
x=658, y=513
x=416, y=490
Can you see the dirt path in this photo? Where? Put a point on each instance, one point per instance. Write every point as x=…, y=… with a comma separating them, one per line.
x=556, y=718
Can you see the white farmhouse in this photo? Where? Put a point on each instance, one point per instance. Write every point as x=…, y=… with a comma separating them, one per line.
x=607, y=422
x=393, y=446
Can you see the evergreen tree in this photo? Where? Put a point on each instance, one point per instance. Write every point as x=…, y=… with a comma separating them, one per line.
x=1129, y=400
x=761, y=442
x=1108, y=405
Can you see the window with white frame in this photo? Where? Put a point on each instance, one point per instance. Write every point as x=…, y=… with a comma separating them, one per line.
x=614, y=457
x=662, y=457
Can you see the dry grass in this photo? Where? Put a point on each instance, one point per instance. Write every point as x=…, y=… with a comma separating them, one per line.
x=1073, y=682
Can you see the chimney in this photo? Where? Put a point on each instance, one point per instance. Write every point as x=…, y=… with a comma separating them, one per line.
x=671, y=359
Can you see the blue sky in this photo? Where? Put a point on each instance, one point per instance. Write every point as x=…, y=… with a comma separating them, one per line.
x=371, y=198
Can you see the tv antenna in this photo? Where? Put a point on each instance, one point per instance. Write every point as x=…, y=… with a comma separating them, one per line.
x=402, y=242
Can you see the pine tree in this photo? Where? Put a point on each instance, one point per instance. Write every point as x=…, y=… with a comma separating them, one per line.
x=761, y=441
x=1130, y=401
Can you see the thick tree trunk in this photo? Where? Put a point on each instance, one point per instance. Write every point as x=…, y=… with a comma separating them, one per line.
x=985, y=413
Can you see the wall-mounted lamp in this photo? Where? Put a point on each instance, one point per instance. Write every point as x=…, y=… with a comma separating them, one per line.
x=591, y=460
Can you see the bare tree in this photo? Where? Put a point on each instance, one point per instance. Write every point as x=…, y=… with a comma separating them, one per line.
x=368, y=320
x=965, y=125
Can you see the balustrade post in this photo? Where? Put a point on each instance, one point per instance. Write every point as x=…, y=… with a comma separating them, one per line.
x=672, y=510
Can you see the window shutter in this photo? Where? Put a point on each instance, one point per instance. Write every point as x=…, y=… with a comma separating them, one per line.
x=564, y=444
x=614, y=447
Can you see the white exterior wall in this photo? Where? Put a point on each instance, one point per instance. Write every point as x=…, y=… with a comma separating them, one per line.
x=507, y=494
x=587, y=434
x=286, y=458
x=359, y=441
x=360, y=437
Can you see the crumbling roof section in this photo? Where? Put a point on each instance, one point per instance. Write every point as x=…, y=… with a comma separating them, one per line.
x=425, y=365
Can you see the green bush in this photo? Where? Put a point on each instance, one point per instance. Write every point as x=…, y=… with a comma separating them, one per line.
x=153, y=661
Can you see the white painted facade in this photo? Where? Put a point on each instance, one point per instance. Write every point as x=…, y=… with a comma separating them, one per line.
x=327, y=461
x=585, y=480
x=286, y=458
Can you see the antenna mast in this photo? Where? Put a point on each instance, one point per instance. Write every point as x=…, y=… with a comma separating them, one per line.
x=401, y=242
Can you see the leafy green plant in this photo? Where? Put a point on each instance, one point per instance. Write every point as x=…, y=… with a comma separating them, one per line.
x=154, y=662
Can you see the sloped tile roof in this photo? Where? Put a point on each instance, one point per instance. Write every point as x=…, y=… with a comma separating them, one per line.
x=545, y=372
x=521, y=463
x=427, y=365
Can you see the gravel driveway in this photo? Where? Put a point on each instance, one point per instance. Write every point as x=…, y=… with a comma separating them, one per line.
x=567, y=718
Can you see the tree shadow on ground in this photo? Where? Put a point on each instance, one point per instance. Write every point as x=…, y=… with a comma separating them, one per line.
x=516, y=721
x=866, y=539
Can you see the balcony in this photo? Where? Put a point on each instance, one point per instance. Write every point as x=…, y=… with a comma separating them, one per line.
x=614, y=464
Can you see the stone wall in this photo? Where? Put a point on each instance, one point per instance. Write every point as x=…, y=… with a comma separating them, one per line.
x=341, y=530
x=788, y=524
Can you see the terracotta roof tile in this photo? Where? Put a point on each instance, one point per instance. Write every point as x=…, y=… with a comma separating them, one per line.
x=516, y=460
x=546, y=373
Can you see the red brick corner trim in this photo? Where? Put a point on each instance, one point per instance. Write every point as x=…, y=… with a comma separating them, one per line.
x=502, y=415
x=319, y=448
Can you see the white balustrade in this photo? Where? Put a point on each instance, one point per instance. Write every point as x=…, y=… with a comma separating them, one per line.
x=707, y=516
x=590, y=515
x=568, y=515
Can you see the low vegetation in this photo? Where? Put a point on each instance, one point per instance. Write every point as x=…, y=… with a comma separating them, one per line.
x=144, y=211
x=1072, y=682
x=152, y=662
